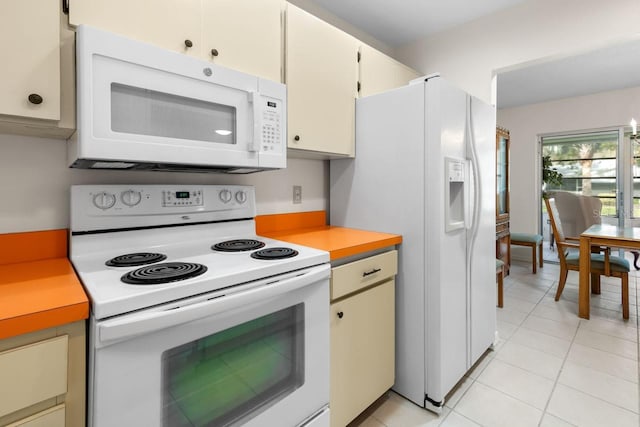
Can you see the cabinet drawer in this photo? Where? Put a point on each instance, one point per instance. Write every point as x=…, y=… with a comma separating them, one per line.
x=33, y=373
x=52, y=417
x=354, y=276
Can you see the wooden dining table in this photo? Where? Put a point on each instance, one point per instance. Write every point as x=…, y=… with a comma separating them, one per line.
x=601, y=235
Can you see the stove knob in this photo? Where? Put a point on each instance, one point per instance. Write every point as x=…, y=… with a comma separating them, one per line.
x=225, y=196
x=104, y=200
x=241, y=197
x=131, y=197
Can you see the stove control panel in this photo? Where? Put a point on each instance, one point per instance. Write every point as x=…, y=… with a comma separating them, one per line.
x=104, y=200
x=106, y=207
x=182, y=198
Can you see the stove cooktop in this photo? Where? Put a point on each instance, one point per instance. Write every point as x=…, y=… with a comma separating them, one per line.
x=115, y=287
x=137, y=246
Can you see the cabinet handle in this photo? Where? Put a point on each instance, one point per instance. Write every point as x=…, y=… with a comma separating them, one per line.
x=296, y=138
x=214, y=52
x=369, y=273
x=34, y=98
x=340, y=314
x=188, y=43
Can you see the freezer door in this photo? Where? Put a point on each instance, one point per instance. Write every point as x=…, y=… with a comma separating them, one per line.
x=446, y=251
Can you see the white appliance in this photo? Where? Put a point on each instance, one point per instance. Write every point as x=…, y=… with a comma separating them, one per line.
x=143, y=107
x=425, y=169
x=195, y=320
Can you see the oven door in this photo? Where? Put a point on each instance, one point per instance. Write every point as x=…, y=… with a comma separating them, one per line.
x=256, y=356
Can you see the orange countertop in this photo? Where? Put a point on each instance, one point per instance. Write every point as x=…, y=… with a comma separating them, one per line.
x=309, y=229
x=38, y=286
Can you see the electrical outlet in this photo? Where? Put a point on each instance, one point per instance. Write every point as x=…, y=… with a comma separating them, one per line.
x=297, y=194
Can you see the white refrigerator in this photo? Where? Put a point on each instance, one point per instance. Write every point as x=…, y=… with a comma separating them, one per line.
x=425, y=168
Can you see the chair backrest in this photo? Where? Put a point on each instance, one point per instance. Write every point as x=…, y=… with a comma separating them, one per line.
x=558, y=233
x=568, y=211
x=554, y=216
x=591, y=211
x=577, y=212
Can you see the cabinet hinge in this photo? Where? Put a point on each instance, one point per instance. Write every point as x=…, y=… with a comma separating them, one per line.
x=65, y=7
x=359, y=56
x=358, y=86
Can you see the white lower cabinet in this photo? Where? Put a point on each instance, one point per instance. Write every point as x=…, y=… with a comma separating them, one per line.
x=53, y=417
x=362, y=335
x=42, y=378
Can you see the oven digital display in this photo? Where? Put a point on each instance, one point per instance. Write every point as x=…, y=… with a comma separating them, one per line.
x=271, y=104
x=182, y=194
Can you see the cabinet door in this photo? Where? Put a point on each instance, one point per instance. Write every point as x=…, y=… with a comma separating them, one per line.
x=321, y=76
x=53, y=417
x=165, y=23
x=362, y=351
x=33, y=373
x=379, y=73
x=502, y=174
x=30, y=50
x=245, y=35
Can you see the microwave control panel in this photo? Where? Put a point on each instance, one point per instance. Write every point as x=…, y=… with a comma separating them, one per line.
x=271, y=125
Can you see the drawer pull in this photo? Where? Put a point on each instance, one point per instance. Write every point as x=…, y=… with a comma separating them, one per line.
x=340, y=314
x=369, y=273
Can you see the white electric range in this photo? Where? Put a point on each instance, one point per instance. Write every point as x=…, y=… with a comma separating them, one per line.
x=195, y=320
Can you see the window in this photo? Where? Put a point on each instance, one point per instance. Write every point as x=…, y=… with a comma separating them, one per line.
x=588, y=163
x=635, y=147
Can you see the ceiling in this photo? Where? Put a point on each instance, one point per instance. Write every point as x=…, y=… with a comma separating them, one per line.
x=604, y=69
x=397, y=23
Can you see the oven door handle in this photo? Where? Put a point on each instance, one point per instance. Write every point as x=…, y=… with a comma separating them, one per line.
x=143, y=323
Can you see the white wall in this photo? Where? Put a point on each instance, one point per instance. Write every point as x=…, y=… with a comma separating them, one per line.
x=606, y=109
x=34, y=184
x=469, y=55
x=322, y=13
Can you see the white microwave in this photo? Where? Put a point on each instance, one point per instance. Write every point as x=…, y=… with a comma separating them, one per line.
x=143, y=107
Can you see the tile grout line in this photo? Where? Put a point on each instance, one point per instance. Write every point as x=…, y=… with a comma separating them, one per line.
x=520, y=326
x=635, y=282
x=474, y=380
x=555, y=383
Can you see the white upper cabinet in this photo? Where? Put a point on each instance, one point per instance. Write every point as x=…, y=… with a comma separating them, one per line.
x=245, y=35
x=30, y=50
x=321, y=76
x=172, y=24
x=379, y=72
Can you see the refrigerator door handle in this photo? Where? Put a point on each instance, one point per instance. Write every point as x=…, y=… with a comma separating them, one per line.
x=474, y=176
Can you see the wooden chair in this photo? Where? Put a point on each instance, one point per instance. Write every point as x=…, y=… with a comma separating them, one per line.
x=500, y=280
x=602, y=264
x=534, y=241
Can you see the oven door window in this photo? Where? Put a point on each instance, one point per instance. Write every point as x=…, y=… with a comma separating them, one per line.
x=231, y=376
x=147, y=112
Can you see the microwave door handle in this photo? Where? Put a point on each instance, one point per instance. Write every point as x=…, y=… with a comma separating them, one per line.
x=144, y=323
x=254, y=99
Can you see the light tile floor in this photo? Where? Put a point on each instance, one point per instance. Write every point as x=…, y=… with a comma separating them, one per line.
x=549, y=368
